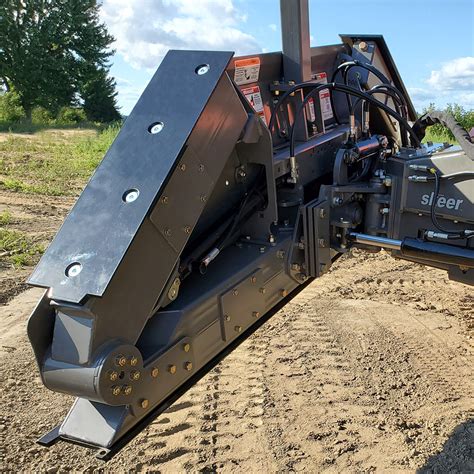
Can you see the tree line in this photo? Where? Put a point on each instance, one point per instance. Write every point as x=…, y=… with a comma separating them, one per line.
x=54, y=59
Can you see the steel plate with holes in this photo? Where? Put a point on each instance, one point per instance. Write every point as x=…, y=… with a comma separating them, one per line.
x=82, y=258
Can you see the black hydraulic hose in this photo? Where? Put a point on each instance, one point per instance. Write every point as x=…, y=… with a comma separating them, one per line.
x=356, y=93
x=346, y=67
x=355, y=63
x=451, y=234
x=392, y=92
x=398, y=104
x=398, y=100
x=447, y=120
x=290, y=91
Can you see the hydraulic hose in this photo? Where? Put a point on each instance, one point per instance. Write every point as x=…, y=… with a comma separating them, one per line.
x=345, y=67
x=356, y=93
x=448, y=121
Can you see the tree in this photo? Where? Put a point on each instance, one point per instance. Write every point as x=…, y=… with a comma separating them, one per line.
x=99, y=96
x=48, y=48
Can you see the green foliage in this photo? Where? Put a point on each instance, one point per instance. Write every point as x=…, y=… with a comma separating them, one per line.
x=18, y=248
x=42, y=116
x=11, y=109
x=53, y=162
x=100, y=97
x=438, y=133
x=49, y=48
x=5, y=218
x=71, y=115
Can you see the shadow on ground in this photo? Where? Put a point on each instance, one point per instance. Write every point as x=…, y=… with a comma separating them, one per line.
x=457, y=454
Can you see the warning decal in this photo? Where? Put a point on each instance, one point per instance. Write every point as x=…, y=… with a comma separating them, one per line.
x=310, y=110
x=252, y=94
x=326, y=109
x=246, y=71
x=324, y=96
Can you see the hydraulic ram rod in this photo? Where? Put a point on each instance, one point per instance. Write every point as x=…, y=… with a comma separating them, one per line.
x=414, y=248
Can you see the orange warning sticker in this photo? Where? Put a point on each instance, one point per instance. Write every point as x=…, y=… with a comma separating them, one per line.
x=253, y=95
x=246, y=71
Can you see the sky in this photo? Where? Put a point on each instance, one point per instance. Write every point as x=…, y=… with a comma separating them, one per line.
x=431, y=41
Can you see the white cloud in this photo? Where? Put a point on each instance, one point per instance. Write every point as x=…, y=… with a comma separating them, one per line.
x=453, y=82
x=146, y=29
x=272, y=26
x=455, y=75
x=129, y=93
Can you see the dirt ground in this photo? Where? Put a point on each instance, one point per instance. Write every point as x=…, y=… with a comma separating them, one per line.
x=369, y=369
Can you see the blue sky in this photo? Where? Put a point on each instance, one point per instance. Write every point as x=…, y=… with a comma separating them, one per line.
x=432, y=41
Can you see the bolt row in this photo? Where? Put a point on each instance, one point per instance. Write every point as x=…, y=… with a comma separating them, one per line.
x=118, y=389
x=122, y=361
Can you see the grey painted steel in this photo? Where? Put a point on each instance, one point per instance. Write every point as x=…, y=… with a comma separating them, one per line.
x=295, y=40
x=137, y=160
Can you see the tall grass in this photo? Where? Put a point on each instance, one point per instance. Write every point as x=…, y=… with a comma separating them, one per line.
x=53, y=162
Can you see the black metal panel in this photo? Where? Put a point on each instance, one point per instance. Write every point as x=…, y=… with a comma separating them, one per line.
x=379, y=40
x=101, y=226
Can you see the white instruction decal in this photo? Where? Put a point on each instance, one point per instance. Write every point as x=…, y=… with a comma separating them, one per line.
x=324, y=96
x=246, y=71
x=325, y=99
x=253, y=95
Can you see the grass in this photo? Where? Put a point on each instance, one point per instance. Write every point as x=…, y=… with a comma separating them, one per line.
x=17, y=248
x=437, y=138
x=25, y=126
x=5, y=218
x=52, y=162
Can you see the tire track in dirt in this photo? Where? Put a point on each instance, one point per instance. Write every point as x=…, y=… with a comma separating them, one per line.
x=336, y=381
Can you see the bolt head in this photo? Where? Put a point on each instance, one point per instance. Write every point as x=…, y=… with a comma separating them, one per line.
x=73, y=270
x=127, y=389
x=144, y=403
x=188, y=366
x=238, y=328
x=133, y=361
x=186, y=347
x=135, y=374
x=253, y=279
x=156, y=128
x=172, y=369
x=226, y=317
x=235, y=292
x=131, y=195
x=165, y=199
x=113, y=375
x=256, y=314
x=182, y=167
x=202, y=69
x=121, y=361
x=116, y=390
x=283, y=293
x=155, y=372
x=187, y=229
x=262, y=290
